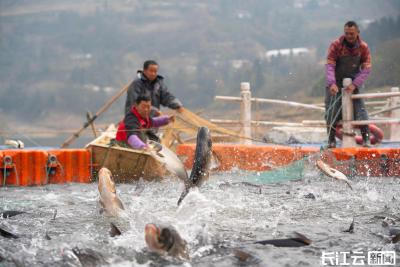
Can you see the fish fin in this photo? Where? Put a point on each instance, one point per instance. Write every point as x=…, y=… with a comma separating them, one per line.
x=348, y=183
x=120, y=205
x=183, y=195
x=114, y=230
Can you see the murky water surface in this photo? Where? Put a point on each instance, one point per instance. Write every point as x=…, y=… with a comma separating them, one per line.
x=222, y=215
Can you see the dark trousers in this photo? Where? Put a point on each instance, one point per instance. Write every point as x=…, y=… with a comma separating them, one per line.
x=333, y=112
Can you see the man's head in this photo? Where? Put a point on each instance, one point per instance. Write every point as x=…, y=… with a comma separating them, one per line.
x=351, y=32
x=150, y=69
x=143, y=105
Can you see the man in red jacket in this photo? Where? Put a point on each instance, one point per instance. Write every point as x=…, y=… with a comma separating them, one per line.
x=348, y=57
x=136, y=127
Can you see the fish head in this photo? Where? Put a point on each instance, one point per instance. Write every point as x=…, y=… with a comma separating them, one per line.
x=152, y=234
x=165, y=240
x=106, y=182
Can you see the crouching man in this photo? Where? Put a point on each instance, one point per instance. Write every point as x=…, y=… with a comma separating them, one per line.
x=136, y=127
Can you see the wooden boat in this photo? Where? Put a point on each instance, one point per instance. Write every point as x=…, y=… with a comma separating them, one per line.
x=128, y=165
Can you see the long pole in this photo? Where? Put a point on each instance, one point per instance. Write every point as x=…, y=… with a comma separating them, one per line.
x=272, y=101
x=103, y=108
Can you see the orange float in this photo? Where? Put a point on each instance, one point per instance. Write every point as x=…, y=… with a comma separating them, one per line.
x=375, y=132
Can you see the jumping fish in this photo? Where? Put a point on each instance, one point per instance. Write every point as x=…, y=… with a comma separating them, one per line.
x=202, y=161
x=109, y=200
x=333, y=173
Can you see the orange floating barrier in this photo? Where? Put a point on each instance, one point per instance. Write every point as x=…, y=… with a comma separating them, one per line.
x=247, y=157
x=68, y=166
x=351, y=161
x=39, y=167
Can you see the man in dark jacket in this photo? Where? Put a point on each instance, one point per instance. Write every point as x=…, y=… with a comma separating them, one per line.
x=348, y=57
x=150, y=83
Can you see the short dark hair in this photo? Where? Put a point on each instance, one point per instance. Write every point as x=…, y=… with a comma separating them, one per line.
x=149, y=62
x=351, y=24
x=141, y=98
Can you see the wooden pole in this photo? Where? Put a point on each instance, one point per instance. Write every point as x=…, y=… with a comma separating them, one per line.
x=264, y=123
x=272, y=101
x=380, y=121
x=375, y=95
x=103, y=108
x=395, y=114
x=245, y=112
x=347, y=114
x=89, y=120
x=386, y=109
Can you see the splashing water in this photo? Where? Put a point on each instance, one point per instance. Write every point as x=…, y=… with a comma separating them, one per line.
x=228, y=212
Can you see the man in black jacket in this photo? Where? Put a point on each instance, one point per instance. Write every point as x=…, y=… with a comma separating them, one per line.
x=150, y=83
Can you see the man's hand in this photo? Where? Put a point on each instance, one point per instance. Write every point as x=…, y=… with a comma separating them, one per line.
x=350, y=88
x=157, y=113
x=181, y=109
x=171, y=118
x=333, y=89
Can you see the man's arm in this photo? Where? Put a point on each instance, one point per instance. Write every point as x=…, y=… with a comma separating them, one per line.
x=161, y=120
x=331, y=65
x=366, y=65
x=167, y=99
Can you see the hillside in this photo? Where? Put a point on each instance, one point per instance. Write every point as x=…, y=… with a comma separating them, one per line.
x=61, y=58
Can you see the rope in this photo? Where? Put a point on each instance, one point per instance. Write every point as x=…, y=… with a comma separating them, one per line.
x=331, y=115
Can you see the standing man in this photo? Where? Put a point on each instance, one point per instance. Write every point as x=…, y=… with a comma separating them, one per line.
x=348, y=57
x=150, y=83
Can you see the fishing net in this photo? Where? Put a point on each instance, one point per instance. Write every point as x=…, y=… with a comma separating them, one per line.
x=293, y=171
x=184, y=130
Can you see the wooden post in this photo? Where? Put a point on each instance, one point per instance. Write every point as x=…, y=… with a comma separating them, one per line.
x=245, y=112
x=395, y=114
x=348, y=116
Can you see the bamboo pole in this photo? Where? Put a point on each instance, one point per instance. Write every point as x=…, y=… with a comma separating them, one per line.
x=272, y=101
x=103, y=108
x=375, y=95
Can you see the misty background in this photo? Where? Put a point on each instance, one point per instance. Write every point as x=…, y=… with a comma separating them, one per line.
x=59, y=59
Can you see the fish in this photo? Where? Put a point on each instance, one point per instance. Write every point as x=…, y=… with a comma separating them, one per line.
x=109, y=200
x=202, y=161
x=298, y=241
x=331, y=172
x=165, y=240
x=10, y=213
x=7, y=234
